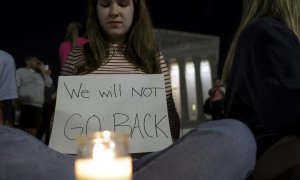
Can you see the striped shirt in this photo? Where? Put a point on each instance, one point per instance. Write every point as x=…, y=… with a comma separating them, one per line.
x=117, y=64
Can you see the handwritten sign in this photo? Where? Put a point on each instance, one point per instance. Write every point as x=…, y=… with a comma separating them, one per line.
x=131, y=104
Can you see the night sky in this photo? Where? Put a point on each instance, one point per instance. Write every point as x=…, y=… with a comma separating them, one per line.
x=38, y=27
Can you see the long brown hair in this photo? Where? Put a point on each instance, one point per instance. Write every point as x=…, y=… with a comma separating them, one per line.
x=287, y=11
x=141, y=47
x=72, y=32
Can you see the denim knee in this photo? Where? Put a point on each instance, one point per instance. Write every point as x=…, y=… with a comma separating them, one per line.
x=235, y=133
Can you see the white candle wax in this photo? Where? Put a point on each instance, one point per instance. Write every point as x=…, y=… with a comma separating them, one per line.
x=96, y=169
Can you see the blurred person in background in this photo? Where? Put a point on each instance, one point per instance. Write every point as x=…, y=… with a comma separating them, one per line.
x=48, y=110
x=31, y=83
x=72, y=39
x=214, y=104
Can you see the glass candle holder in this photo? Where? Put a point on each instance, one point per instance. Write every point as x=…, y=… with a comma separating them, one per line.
x=103, y=156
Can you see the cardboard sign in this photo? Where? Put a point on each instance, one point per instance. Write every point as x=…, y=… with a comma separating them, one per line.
x=131, y=104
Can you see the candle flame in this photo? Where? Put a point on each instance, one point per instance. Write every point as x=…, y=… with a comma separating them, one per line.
x=104, y=151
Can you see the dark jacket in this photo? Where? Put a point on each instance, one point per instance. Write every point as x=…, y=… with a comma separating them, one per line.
x=263, y=89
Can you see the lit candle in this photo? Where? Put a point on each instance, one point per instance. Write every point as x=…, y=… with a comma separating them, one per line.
x=103, y=156
x=95, y=169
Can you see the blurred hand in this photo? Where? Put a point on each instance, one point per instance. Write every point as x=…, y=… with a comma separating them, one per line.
x=44, y=69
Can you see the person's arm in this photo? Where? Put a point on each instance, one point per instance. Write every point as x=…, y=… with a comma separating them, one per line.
x=72, y=60
x=8, y=88
x=17, y=102
x=48, y=79
x=172, y=112
x=46, y=73
x=63, y=51
x=19, y=79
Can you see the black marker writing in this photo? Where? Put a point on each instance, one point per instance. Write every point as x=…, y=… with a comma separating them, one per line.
x=68, y=126
x=137, y=125
x=82, y=93
x=76, y=126
x=157, y=128
x=145, y=91
x=114, y=91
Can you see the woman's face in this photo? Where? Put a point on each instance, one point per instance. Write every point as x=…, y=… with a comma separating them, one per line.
x=115, y=18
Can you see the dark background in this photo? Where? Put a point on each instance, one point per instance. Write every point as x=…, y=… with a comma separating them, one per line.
x=38, y=26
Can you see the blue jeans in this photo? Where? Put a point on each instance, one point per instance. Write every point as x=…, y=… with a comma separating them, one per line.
x=24, y=157
x=218, y=150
